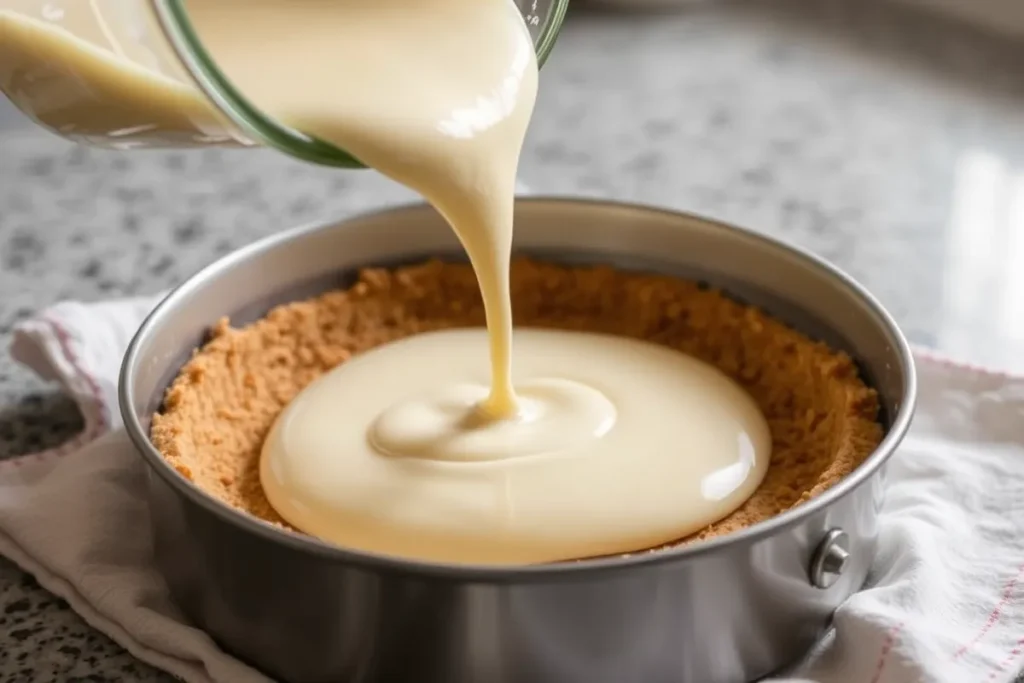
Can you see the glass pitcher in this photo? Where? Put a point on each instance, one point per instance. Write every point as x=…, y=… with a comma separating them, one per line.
x=68, y=65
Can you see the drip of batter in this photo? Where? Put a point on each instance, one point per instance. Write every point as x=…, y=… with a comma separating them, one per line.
x=436, y=94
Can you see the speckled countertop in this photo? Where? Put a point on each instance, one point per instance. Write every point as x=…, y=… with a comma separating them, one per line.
x=886, y=141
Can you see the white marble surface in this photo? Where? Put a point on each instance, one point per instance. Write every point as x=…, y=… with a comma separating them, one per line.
x=886, y=141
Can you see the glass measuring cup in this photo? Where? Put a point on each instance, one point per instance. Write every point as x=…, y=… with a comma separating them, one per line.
x=133, y=74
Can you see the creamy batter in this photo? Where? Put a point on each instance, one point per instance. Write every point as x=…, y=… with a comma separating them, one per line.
x=610, y=445
x=620, y=445
x=427, y=448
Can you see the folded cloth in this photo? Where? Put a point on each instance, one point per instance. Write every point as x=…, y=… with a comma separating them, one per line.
x=944, y=602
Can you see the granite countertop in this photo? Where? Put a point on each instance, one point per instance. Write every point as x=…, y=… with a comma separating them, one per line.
x=886, y=141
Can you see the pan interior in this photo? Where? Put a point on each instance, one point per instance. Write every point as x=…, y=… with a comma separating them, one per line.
x=786, y=283
x=779, y=309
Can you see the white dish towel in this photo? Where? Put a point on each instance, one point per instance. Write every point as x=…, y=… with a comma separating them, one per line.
x=945, y=602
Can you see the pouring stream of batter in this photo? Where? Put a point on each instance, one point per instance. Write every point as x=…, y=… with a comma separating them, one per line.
x=423, y=448
x=409, y=449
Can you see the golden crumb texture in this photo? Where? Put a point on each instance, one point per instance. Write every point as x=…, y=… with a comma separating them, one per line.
x=218, y=411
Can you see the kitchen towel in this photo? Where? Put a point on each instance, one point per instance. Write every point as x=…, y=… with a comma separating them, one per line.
x=944, y=602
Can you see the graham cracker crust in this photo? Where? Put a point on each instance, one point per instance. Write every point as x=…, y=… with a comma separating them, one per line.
x=217, y=412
